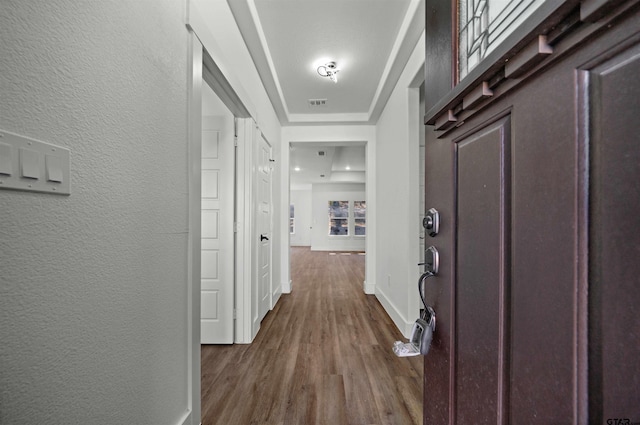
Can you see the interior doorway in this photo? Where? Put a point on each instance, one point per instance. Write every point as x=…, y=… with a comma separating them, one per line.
x=328, y=196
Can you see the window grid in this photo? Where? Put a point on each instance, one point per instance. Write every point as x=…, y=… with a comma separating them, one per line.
x=360, y=218
x=339, y=218
x=484, y=24
x=292, y=227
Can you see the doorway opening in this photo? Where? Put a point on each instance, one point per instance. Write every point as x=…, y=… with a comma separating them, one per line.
x=328, y=197
x=221, y=138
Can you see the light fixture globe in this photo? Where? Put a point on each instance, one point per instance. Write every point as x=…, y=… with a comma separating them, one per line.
x=330, y=69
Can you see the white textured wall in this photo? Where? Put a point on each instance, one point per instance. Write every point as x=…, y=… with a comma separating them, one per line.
x=301, y=199
x=397, y=144
x=93, y=286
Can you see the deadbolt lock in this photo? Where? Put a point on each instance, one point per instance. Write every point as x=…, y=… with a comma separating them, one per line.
x=431, y=222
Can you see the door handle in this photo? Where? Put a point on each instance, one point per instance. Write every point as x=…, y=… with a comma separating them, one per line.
x=431, y=260
x=263, y=238
x=423, y=328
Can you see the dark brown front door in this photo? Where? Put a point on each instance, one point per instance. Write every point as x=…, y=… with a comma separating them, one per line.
x=535, y=168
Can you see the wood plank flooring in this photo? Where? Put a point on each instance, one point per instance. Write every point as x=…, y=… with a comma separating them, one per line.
x=322, y=356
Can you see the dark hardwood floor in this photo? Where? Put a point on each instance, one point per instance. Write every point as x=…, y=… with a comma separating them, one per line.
x=322, y=356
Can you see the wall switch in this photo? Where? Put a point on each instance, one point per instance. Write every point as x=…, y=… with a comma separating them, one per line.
x=53, y=166
x=6, y=159
x=29, y=164
x=34, y=166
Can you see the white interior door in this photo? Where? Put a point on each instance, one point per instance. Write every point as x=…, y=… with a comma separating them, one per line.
x=217, y=296
x=263, y=224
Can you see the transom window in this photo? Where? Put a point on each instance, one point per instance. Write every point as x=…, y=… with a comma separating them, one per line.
x=484, y=24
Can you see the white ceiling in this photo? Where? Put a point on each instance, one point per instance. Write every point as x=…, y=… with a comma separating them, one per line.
x=326, y=163
x=370, y=40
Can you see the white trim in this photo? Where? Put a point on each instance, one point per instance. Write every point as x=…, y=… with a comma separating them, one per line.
x=187, y=419
x=286, y=287
x=194, y=136
x=415, y=10
x=198, y=24
x=415, y=66
x=370, y=190
x=267, y=53
x=413, y=208
x=396, y=316
x=245, y=230
x=340, y=118
x=368, y=288
x=285, y=201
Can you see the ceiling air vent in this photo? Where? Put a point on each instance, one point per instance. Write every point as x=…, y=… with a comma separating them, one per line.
x=320, y=153
x=317, y=103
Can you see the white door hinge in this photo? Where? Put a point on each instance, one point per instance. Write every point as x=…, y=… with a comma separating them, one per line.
x=234, y=313
x=235, y=227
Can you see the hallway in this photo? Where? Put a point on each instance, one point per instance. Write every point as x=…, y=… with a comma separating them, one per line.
x=322, y=356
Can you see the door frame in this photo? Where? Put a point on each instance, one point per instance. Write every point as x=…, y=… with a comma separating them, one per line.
x=194, y=140
x=201, y=67
x=245, y=138
x=285, y=188
x=246, y=133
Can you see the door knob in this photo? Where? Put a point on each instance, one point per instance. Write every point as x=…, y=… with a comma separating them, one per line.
x=263, y=238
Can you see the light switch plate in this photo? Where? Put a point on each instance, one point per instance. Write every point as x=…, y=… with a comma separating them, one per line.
x=31, y=165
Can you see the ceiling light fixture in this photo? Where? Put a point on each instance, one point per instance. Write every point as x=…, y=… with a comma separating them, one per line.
x=330, y=70
x=297, y=168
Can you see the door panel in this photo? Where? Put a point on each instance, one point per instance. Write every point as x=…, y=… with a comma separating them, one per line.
x=217, y=278
x=264, y=227
x=544, y=252
x=614, y=323
x=514, y=275
x=481, y=284
x=539, y=244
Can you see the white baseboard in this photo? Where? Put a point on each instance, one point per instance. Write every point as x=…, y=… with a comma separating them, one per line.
x=186, y=420
x=276, y=297
x=401, y=322
x=286, y=287
x=369, y=288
